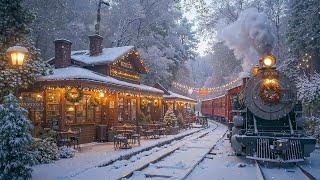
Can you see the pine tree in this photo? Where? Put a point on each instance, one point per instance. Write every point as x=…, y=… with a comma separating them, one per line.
x=303, y=33
x=14, y=29
x=15, y=141
x=170, y=118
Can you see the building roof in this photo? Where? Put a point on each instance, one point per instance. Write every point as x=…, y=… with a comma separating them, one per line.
x=173, y=95
x=108, y=55
x=78, y=73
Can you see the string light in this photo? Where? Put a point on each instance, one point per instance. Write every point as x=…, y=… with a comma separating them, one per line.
x=187, y=88
x=122, y=74
x=304, y=63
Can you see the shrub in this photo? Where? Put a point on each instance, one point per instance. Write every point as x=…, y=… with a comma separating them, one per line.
x=46, y=150
x=312, y=127
x=66, y=152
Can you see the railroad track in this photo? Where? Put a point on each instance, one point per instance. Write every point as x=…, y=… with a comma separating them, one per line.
x=162, y=163
x=297, y=171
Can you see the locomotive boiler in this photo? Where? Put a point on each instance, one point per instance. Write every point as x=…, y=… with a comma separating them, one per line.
x=268, y=123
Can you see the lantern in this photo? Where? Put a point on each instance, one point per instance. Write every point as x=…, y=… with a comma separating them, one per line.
x=255, y=69
x=17, y=55
x=203, y=91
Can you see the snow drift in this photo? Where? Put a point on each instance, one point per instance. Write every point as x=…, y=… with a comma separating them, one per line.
x=249, y=36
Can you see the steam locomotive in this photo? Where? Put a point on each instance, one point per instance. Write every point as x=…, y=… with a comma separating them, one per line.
x=265, y=119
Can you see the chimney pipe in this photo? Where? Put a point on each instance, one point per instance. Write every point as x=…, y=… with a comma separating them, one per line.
x=95, y=44
x=62, y=53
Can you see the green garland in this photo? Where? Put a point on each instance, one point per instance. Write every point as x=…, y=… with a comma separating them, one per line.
x=74, y=95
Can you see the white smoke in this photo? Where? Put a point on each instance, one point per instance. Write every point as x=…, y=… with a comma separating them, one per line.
x=250, y=36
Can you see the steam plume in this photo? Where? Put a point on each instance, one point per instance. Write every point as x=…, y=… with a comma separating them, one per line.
x=249, y=36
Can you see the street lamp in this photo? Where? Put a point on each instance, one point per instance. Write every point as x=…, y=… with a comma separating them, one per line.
x=17, y=55
x=97, y=26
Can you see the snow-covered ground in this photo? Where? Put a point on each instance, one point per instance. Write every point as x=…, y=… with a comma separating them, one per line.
x=220, y=163
x=183, y=160
x=223, y=164
x=93, y=155
x=123, y=167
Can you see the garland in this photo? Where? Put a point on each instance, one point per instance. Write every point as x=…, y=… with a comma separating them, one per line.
x=74, y=95
x=270, y=92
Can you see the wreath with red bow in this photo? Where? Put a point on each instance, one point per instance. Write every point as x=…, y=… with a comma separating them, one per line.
x=74, y=95
x=270, y=92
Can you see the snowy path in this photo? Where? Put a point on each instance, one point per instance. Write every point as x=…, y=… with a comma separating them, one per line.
x=94, y=155
x=124, y=167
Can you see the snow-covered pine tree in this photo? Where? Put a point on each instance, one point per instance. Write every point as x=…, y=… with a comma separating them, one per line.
x=170, y=118
x=15, y=140
x=14, y=29
x=303, y=35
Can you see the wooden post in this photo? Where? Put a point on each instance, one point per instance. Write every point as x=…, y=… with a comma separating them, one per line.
x=62, y=119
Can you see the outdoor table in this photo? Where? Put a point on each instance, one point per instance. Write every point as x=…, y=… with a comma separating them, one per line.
x=66, y=136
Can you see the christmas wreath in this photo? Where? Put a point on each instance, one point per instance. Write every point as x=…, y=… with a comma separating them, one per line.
x=74, y=95
x=270, y=92
x=93, y=102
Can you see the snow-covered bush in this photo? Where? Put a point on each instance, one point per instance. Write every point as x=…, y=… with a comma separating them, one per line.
x=312, y=127
x=16, y=157
x=46, y=150
x=66, y=152
x=309, y=88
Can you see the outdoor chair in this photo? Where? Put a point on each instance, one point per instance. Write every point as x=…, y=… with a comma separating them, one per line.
x=119, y=140
x=75, y=140
x=63, y=140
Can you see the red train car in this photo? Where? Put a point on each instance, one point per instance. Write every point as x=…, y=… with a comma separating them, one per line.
x=220, y=108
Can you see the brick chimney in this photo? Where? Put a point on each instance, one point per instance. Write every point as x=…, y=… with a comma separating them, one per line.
x=62, y=53
x=95, y=44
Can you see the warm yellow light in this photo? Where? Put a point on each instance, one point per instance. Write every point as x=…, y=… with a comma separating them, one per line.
x=269, y=81
x=101, y=94
x=39, y=96
x=269, y=61
x=17, y=55
x=71, y=109
x=255, y=70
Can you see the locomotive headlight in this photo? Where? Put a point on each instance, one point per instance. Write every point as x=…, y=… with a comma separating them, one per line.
x=269, y=60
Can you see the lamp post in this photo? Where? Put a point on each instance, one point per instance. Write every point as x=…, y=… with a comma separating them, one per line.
x=97, y=26
x=17, y=55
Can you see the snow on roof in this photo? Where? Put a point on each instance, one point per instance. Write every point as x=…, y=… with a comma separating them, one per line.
x=209, y=99
x=78, y=73
x=177, y=96
x=107, y=55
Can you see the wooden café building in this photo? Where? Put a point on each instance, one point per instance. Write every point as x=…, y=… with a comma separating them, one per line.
x=86, y=88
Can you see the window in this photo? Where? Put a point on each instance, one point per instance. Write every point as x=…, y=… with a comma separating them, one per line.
x=53, y=108
x=120, y=109
x=133, y=109
x=88, y=109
